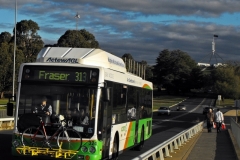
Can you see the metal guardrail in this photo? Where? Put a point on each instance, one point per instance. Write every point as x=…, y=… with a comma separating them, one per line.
x=164, y=149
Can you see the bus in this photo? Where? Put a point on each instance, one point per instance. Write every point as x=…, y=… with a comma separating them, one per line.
x=84, y=82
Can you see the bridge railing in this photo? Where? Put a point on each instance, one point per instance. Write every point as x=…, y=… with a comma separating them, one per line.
x=235, y=127
x=166, y=148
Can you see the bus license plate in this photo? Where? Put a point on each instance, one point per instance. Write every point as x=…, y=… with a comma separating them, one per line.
x=78, y=128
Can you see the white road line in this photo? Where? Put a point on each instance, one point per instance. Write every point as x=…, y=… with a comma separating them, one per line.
x=164, y=120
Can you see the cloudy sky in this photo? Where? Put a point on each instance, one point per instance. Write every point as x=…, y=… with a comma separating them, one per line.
x=142, y=28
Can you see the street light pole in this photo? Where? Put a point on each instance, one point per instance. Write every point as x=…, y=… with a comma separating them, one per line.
x=14, y=52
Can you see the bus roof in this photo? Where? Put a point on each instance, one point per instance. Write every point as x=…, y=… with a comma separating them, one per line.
x=87, y=56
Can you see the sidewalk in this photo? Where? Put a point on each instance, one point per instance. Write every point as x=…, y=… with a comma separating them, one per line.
x=215, y=146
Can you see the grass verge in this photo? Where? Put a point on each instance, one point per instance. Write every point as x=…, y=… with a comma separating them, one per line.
x=225, y=103
x=3, y=103
x=166, y=101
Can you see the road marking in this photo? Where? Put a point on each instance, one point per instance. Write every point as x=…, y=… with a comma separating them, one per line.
x=170, y=119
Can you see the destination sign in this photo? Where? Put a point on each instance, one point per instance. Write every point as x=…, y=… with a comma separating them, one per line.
x=61, y=74
x=80, y=76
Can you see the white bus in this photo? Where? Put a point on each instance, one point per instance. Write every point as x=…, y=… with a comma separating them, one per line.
x=80, y=83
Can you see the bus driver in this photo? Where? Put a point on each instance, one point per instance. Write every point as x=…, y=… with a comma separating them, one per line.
x=44, y=108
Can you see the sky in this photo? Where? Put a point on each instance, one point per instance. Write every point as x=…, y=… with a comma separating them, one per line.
x=142, y=28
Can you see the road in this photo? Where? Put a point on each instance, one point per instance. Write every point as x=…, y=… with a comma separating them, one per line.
x=164, y=126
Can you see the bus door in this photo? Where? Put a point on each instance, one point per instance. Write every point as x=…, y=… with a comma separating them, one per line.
x=137, y=117
x=105, y=124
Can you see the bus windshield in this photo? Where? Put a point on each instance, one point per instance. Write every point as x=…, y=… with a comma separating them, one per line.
x=76, y=103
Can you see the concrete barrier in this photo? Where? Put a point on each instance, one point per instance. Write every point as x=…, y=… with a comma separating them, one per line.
x=235, y=127
x=235, y=136
x=6, y=123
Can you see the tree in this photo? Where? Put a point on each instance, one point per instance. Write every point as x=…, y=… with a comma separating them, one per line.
x=29, y=43
x=90, y=41
x=6, y=66
x=6, y=75
x=5, y=37
x=197, y=78
x=78, y=39
x=226, y=81
x=173, y=70
x=28, y=39
x=127, y=56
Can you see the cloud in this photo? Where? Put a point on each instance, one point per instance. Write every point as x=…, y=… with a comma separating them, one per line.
x=172, y=7
x=139, y=27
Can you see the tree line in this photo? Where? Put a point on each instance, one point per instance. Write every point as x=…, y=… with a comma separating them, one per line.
x=174, y=70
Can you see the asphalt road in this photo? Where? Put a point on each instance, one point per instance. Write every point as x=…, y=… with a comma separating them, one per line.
x=164, y=126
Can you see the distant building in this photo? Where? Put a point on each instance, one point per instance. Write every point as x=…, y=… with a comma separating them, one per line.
x=219, y=64
x=204, y=64
x=208, y=65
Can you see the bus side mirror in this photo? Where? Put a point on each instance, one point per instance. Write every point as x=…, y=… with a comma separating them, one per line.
x=10, y=109
x=106, y=94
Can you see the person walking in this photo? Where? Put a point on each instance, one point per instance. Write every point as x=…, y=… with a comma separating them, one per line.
x=210, y=119
x=219, y=120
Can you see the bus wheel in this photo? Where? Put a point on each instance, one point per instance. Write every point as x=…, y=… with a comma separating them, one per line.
x=141, y=144
x=115, y=150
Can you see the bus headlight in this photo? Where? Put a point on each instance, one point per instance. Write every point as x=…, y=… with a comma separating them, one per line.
x=92, y=149
x=84, y=149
